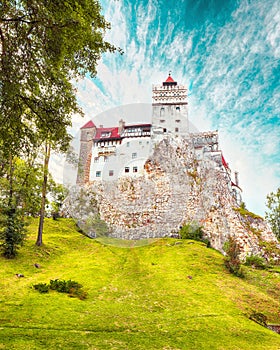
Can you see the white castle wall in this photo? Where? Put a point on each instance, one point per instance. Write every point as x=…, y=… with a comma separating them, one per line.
x=131, y=154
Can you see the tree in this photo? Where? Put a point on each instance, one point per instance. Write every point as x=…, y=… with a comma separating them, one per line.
x=273, y=215
x=20, y=185
x=44, y=45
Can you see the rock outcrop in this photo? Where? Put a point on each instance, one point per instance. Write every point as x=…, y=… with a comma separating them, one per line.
x=176, y=188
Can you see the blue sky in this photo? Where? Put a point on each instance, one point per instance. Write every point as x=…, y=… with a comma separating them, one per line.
x=226, y=52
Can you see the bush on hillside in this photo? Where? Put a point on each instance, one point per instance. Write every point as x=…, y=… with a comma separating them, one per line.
x=193, y=231
x=73, y=288
x=256, y=262
x=42, y=287
x=232, y=261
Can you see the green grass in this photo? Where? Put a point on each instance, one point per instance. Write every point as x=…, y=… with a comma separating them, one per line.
x=159, y=296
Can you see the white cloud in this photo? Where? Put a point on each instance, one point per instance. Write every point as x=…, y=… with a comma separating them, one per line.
x=228, y=86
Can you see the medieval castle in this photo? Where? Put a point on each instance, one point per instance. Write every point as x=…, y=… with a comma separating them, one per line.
x=146, y=180
x=110, y=153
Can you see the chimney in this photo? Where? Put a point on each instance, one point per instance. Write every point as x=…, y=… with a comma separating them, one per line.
x=121, y=126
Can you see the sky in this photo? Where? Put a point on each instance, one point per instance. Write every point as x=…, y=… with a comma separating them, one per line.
x=228, y=55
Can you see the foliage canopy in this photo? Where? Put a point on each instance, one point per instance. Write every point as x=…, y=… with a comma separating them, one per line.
x=44, y=45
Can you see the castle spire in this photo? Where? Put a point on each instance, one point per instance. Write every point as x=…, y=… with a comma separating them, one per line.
x=169, y=81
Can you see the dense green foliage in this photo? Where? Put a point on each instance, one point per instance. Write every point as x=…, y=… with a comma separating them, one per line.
x=273, y=215
x=159, y=296
x=12, y=232
x=44, y=45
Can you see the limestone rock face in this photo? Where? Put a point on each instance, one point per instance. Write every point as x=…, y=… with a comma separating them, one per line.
x=176, y=188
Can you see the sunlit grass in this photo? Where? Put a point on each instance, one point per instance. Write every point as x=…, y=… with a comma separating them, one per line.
x=164, y=295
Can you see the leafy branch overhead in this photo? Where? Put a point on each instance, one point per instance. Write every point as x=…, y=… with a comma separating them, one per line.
x=44, y=46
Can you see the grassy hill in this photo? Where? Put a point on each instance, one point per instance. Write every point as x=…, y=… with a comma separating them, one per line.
x=161, y=296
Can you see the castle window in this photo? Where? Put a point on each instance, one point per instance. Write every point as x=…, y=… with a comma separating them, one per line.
x=177, y=108
x=140, y=142
x=98, y=174
x=111, y=172
x=126, y=169
x=96, y=159
x=164, y=130
x=105, y=134
x=127, y=144
x=162, y=121
x=88, y=135
x=176, y=129
x=135, y=169
x=178, y=121
x=105, y=159
x=134, y=155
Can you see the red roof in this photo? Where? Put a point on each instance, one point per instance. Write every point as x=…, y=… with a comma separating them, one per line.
x=169, y=79
x=107, y=133
x=88, y=125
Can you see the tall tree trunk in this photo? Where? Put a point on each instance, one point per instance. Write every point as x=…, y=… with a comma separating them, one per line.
x=11, y=174
x=39, y=241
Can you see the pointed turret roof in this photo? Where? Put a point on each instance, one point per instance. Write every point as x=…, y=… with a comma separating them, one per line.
x=88, y=125
x=169, y=81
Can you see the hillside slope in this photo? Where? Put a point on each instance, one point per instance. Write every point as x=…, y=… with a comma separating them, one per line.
x=166, y=295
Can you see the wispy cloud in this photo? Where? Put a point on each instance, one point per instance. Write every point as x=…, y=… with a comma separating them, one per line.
x=232, y=65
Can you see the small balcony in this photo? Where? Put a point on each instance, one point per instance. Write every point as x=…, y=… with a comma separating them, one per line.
x=106, y=151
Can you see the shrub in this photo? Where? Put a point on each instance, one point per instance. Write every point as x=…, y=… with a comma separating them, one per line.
x=256, y=261
x=63, y=286
x=191, y=231
x=42, y=287
x=73, y=288
x=232, y=261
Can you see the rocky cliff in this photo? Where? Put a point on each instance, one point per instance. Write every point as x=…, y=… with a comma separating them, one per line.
x=176, y=188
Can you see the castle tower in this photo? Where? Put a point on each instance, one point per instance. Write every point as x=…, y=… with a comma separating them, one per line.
x=170, y=113
x=88, y=132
